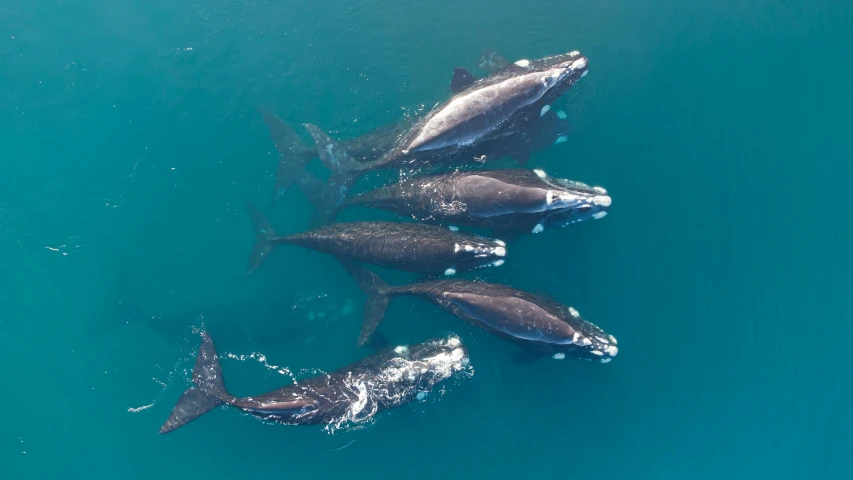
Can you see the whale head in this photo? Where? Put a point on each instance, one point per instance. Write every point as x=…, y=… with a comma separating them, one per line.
x=565, y=70
x=417, y=368
x=571, y=202
x=472, y=252
x=590, y=342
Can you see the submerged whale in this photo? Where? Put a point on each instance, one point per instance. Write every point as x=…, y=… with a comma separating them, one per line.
x=506, y=201
x=388, y=379
x=541, y=326
x=413, y=247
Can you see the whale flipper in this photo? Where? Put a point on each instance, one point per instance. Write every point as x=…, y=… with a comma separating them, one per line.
x=377, y=299
x=461, y=80
x=264, y=235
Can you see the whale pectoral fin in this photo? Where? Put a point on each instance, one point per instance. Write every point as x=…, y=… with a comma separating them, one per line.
x=461, y=80
x=526, y=357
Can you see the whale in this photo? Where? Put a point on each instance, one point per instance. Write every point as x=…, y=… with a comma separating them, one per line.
x=542, y=327
x=496, y=116
x=414, y=247
x=507, y=201
x=388, y=379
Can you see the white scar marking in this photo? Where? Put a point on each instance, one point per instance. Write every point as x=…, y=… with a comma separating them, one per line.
x=601, y=200
x=540, y=173
x=599, y=215
x=500, y=251
x=574, y=312
x=612, y=350
x=453, y=228
x=544, y=110
x=450, y=271
x=561, y=139
x=524, y=63
x=562, y=115
x=538, y=228
x=597, y=352
x=559, y=356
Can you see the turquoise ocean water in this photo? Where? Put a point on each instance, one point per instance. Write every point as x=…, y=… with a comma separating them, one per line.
x=129, y=140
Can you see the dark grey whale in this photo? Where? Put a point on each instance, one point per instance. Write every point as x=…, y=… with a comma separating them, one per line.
x=541, y=326
x=510, y=201
x=388, y=379
x=413, y=247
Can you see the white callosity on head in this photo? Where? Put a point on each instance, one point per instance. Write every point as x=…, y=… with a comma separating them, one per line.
x=450, y=271
x=612, y=350
x=559, y=356
x=454, y=342
x=562, y=115
x=612, y=339
x=500, y=242
x=574, y=312
x=576, y=337
x=601, y=200
x=497, y=263
x=540, y=173
x=597, y=352
x=500, y=251
x=523, y=63
x=561, y=139
x=599, y=215
x=538, y=228
x=421, y=396
x=606, y=360
x=401, y=349
x=453, y=228
x=600, y=190
x=579, y=64
x=544, y=110
x=586, y=342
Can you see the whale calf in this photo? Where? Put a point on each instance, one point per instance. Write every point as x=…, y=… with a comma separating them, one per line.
x=413, y=247
x=506, y=201
x=541, y=326
x=388, y=379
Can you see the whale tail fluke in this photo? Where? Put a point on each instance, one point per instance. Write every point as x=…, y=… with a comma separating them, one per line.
x=208, y=392
x=376, y=304
x=345, y=170
x=293, y=153
x=264, y=235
